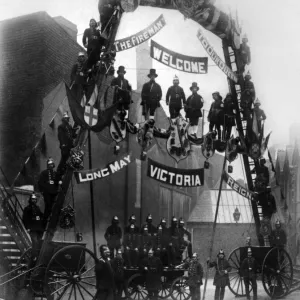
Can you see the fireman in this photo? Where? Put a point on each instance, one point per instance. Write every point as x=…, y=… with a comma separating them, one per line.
x=131, y=244
x=146, y=242
x=78, y=69
x=183, y=243
x=262, y=173
x=105, y=280
x=278, y=236
x=194, y=104
x=151, y=95
x=216, y=114
x=118, y=268
x=174, y=244
x=152, y=268
x=49, y=182
x=221, y=279
x=195, y=275
x=160, y=245
x=174, y=98
x=124, y=97
x=33, y=220
x=132, y=220
x=260, y=115
x=247, y=97
x=248, y=273
x=151, y=228
x=229, y=115
x=113, y=236
x=66, y=134
x=245, y=53
x=106, y=9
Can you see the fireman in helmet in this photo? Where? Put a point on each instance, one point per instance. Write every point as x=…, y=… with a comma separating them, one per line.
x=66, y=136
x=216, y=114
x=174, y=98
x=77, y=72
x=151, y=228
x=152, y=269
x=263, y=177
x=229, y=116
x=131, y=244
x=160, y=245
x=132, y=220
x=244, y=54
x=184, y=243
x=146, y=242
x=259, y=114
x=247, y=97
x=174, y=242
x=113, y=236
x=49, y=182
x=278, y=236
x=118, y=268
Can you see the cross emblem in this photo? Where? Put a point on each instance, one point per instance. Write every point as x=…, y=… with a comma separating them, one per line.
x=91, y=114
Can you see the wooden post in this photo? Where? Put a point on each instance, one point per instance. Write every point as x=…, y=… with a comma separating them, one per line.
x=214, y=226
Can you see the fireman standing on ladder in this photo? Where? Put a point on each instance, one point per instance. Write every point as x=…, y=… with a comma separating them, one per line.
x=106, y=9
x=216, y=114
x=77, y=72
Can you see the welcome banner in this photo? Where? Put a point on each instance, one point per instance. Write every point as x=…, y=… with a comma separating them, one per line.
x=215, y=57
x=94, y=174
x=237, y=187
x=173, y=176
x=141, y=36
x=189, y=64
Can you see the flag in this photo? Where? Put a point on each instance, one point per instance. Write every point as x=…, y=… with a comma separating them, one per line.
x=255, y=126
x=94, y=96
x=264, y=143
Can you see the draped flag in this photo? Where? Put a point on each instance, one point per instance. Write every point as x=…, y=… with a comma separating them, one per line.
x=174, y=176
x=189, y=64
x=142, y=36
x=94, y=96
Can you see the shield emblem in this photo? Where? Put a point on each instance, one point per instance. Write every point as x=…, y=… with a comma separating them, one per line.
x=231, y=151
x=117, y=128
x=254, y=151
x=90, y=115
x=207, y=148
x=178, y=144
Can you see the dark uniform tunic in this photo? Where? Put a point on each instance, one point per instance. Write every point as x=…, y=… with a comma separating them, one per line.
x=160, y=244
x=118, y=268
x=33, y=219
x=247, y=98
x=113, y=237
x=124, y=97
x=151, y=228
x=260, y=116
x=195, y=275
x=105, y=281
x=278, y=237
x=175, y=96
x=152, y=275
x=194, y=103
x=229, y=120
x=151, y=95
x=245, y=56
x=248, y=272
x=131, y=243
x=216, y=116
x=48, y=186
x=78, y=68
x=146, y=242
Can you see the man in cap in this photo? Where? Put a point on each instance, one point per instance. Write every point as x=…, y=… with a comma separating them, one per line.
x=93, y=41
x=152, y=269
x=105, y=280
x=113, y=236
x=244, y=54
x=66, y=135
x=124, y=92
x=221, y=279
x=49, y=182
x=78, y=69
x=151, y=228
x=260, y=115
x=174, y=98
x=151, y=95
x=229, y=116
x=118, y=268
x=146, y=242
x=216, y=114
x=131, y=243
x=248, y=273
x=194, y=104
x=195, y=275
x=278, y=236
x=33, y=220
x=132, y=220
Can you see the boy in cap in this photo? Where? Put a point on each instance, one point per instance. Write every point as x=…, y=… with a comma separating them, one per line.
x=194, y=104
x=174, y=98
x=151, y=95
x=113, y=236
x=216, y=114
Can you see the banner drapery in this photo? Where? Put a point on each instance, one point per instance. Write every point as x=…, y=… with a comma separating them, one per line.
x=142, y=36
x=180, y=62
x=174, y=176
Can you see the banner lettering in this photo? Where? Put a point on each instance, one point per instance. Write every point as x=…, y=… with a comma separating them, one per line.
x=142, y=36
x=173, y=176
x=215, y=57
x=184, y=63
x=94, y=174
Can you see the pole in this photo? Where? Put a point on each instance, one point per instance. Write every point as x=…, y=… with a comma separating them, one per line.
x=214, y=226
x=203, y=122
x=92, y=194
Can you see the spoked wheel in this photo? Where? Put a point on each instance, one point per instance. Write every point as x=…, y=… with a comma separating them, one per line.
x=70, y=274
x=136, y=287
x=277, y=273
x=164, y=291
x=179, y=289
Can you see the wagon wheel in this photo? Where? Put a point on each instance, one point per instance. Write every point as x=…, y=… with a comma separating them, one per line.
x=164, y=291
x=21, y=268
x=236, y=286
x=179, y=289
x=277, y=273
x=70, y=274
x=136, y=287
